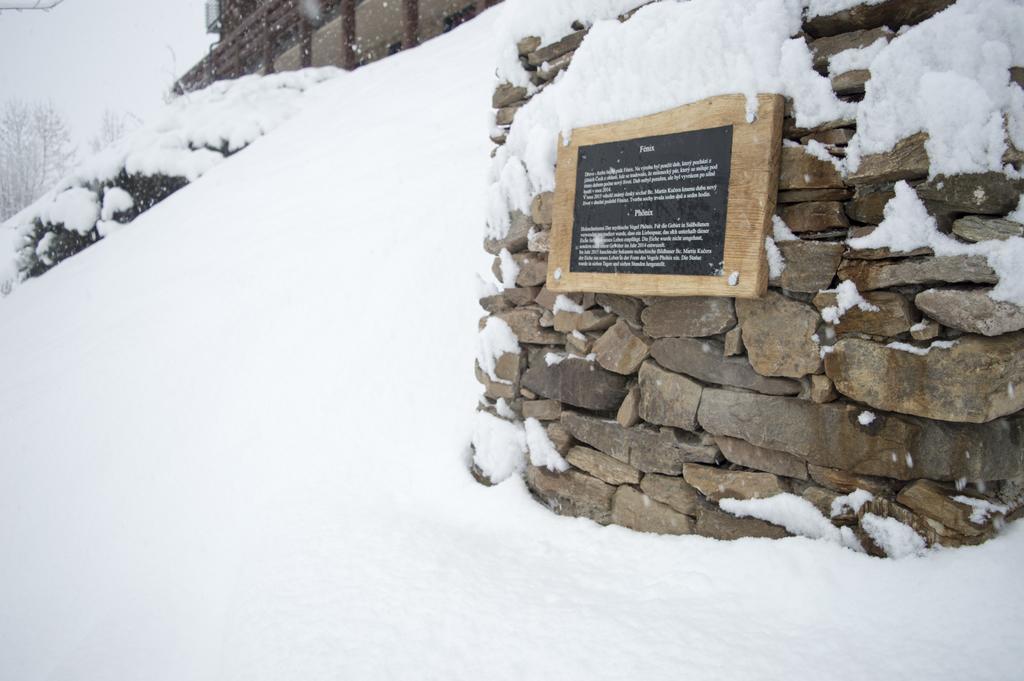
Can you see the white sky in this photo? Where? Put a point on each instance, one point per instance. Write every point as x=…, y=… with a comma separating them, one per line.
x=90, y=55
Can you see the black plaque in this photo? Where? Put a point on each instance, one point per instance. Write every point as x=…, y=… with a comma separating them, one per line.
x=653, y=205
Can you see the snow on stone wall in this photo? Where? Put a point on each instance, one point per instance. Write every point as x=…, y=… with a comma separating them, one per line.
x=896, y=294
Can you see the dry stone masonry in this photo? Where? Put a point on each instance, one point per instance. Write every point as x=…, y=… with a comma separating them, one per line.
x=664, y=407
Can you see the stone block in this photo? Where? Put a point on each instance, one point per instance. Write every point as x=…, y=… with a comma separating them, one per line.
x=542, y=410
x=629, y=412
x=672, y=491
x=801, y=170
x=705, y=360
x=908, y=160
x=579, y=383
x=891, y=13
x=637, y=511
x=668, y=398
x=688, y=317
x=815, y=216
x=602, y=466
x=869, y=275
x=894, y=315
x=777, y=333
x=620, y=349
x=717, y=524
x=976, y=228
x=525, y=324
x=810, y=266
x=720, y=483
x=572, y=493
x=742, y=453
x=970, y=311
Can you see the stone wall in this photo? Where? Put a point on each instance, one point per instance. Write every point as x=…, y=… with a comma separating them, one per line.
x=665, y=406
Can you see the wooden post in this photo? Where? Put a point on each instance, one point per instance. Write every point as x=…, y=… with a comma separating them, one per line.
x=348, y=34
x=410, y=23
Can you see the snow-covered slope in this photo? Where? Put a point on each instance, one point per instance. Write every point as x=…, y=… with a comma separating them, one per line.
x=233, y=446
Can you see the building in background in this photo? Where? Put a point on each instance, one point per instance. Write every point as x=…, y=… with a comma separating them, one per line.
x=267, y=36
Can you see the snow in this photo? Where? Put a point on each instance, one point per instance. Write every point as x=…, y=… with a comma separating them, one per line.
x=542, y=451
x=856, y=58
x=235, y=447
x=948, y=76
x=564, y=303
x=509, y=269
x=781, y=231
x=776, y=263
x=115, y=200
x=981, y=510
x=734, y=278
x=668, y=54
x=853, y=501
x=493, y=341
x=553, y=358
x=847, y=297
x=796, y=514
x=917, y=350
x=499, y=447
x=866, y=418
x=907, y=226
x=824, y=8
x=897, y=539
x=75, y=208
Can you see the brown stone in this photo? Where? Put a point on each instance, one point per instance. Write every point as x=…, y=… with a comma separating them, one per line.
x=816, y=216
x=626, y=307
x=742, y=453
x=578, y=343
x=602, y=466
x=667, y=398
x=720, y=483
x=717, y=524
x=846, y=483
x=539, y=241
x=533, y=269
x=572, y=493
x=540, y=209
x=934, y=501
x=805, y=195
x=559, y=437
x=588, y=320
x=629, y=412
x=965, y=383
x=822, y=499
x=688, y=317
x=705, y=360
x=525, y=323
x=868, y=203
x=506, y=94
x=516, y=239
x=869, y=275
x=810, y=266
x=672, y=491
x=549, y=52
x=508, y=299
x=506, y=114
x=838, y=137
x=621, y=349
x=528, y=45
x=976, y=228
x=637, y=511
x=577, y=382
x=822, y=389
x=926, y=329
x=733, y=345
x=549, y=70
x=495, y=389
x=891, y=13
x=894, y=315
x=971, y=311
x=542, y=410
x=801, y=170
x=646, y=449
x=850, y=82
x=824, y=49
x=830, y=435
x=908, y=160
x=989, y=193
x=777, y=333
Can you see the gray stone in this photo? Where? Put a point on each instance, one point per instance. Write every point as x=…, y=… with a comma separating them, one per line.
x=509, y=298
x=777, y=332
x=559, y=437
x=506, y=94
x=810, y=266
x=667, y=398
x=967, y=383
x=868, y=203
x=850, y=82
x=804, y=195
x=542, y=410
x=720, y=483
x=602, y=466
x=822, y=499
x=976, y=228
x=533, y=269
x=516, y=239
x=495, y=389
x=988, y=193
x=891, y=13
x=646, y=449
x=672, y=491
x=822, y=389
x=525, y=323
x=577, y=382
x=717, y=524
x=893, y=317
x=637, y=511
x=549, y=70
x=733, y=345
x=705, y=361
x=688, y=317
x=815, y=216
x=824, y=49
x=742, y=453
x=550, y=52
x=579, y=344
x=539, y=241
x=926, y=329
x=629, y=411
x=830, y=435
x=528, y=45
x=588, y=320
x=801, y=170
x=572, y=493
x=506, y=114
x=621, y=349
x=626, y=307
x=908, y=160
x=869, y=275
x=971, y=311
x=541, y=208
x=935, y=501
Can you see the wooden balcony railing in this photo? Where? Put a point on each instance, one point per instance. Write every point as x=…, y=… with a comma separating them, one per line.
x=278, y=25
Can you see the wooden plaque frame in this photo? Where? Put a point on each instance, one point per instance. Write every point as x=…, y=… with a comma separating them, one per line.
x=753, y=184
